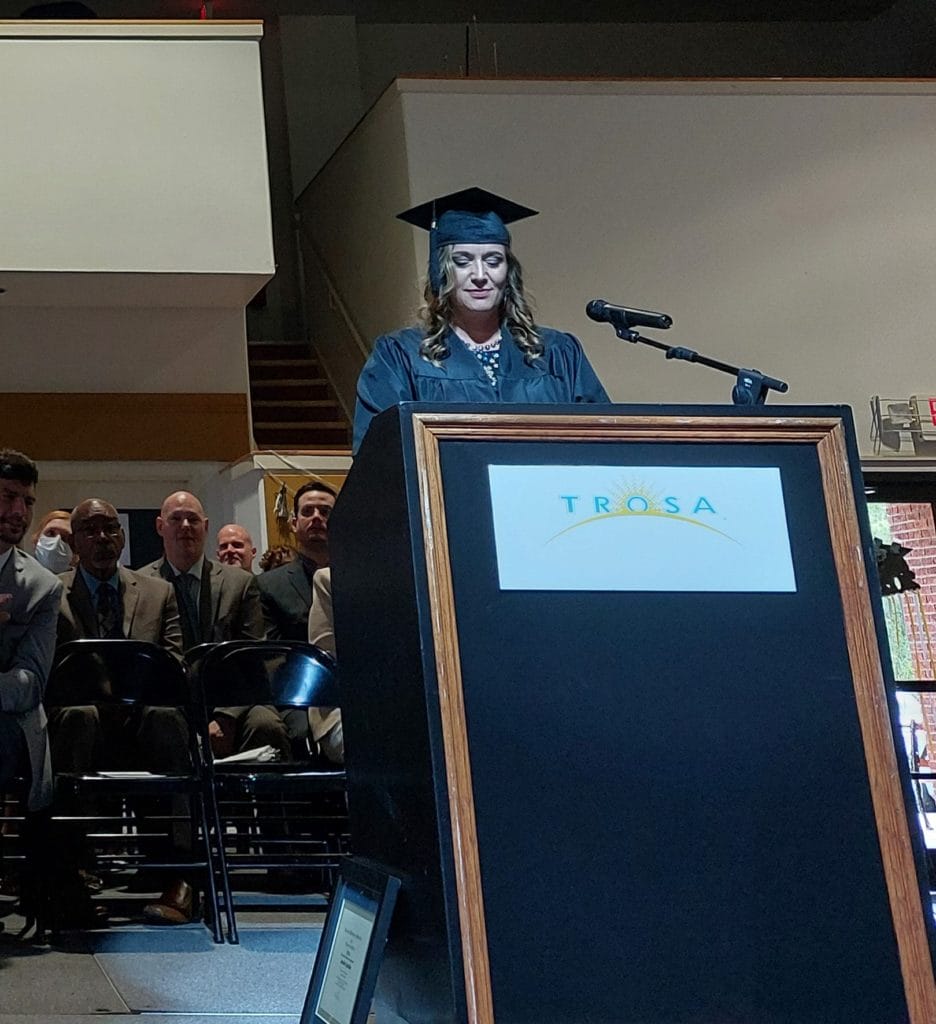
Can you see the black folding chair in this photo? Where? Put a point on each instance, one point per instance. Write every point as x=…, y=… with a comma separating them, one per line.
x=133, y=675
x=26, y=856
x=285, y=674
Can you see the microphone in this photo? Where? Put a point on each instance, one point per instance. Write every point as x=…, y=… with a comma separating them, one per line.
x=621, y=316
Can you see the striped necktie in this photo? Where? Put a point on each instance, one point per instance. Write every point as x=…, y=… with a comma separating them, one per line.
x=185, y=584
x=108, y=613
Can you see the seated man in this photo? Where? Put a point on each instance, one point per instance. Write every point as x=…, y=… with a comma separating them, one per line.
x=286, y=592
x=104, y=600
x=236, y=547
x=217, y=602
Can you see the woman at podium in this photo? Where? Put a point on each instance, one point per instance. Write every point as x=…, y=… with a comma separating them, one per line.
x=476, y=340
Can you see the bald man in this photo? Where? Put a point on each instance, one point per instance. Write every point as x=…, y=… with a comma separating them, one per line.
x=216, y=602
x=236, y=547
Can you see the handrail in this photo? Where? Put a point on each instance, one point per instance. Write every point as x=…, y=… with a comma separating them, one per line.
x=281, y=454
x=335, y=299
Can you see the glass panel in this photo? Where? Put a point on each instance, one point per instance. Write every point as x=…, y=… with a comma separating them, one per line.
x=908, y=597
x=918, y=726
x=910, y=613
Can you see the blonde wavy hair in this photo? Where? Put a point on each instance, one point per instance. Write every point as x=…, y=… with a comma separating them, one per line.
x=437, y=311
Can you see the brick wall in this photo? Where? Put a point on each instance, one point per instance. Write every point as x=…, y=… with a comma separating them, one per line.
x=912, y=525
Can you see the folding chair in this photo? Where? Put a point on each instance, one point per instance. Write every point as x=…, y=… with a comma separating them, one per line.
x=133, y=675
x=283, y=674
x=31, y=852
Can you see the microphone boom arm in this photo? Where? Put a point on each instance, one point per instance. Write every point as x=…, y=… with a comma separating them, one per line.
x=751, y=386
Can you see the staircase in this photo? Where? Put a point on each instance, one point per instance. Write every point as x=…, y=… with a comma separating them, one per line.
x=292, y=403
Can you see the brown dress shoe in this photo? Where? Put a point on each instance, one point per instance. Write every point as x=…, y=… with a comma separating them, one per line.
x=173, y=907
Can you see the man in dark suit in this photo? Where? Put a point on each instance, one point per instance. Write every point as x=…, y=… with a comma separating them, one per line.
x=104, y=600
x=29, y=599
x=286, y=592
x=217, y=602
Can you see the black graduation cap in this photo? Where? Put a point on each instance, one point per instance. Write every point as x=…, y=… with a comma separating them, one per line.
x=471, y=215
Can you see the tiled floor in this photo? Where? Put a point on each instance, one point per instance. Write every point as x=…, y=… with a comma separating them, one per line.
x=133, y=973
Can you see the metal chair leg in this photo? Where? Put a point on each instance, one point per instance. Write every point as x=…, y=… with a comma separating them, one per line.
x=212, y=894
x=229, y=914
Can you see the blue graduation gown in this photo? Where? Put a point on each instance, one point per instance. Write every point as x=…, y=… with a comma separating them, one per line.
x=395, y=372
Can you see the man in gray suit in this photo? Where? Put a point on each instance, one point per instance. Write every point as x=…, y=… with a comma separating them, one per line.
x=216, y=602
x=29, y=599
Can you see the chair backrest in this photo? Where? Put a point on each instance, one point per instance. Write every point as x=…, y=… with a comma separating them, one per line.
x=117, y=672
x=193, y=655
x=285, y=673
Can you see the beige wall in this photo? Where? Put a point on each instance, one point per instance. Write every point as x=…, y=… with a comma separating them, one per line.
x=349, y=237
x=788, y=227
x=134, y=218
x=124, y=350
x=133, y=154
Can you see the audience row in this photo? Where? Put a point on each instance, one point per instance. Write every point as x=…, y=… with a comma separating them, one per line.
x=52, y=546
x=179, y=601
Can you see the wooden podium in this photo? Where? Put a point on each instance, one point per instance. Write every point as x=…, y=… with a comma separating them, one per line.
x=615, y=712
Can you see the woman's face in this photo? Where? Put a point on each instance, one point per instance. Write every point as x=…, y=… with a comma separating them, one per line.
x=480, y=276
x=58, y=528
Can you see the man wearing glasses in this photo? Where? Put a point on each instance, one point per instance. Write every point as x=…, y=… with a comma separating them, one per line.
x=104, y=600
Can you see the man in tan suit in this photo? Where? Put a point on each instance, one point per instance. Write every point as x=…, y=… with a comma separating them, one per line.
x=216, y=602
x=145, y=609
x=104, y=600
x=101, y=599
x=325, y=723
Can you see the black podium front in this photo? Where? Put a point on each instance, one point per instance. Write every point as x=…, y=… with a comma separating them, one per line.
x=615, y=712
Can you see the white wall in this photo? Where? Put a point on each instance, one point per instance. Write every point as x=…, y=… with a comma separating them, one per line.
x=329, y=65
x=133, y=154
x=792, y=228
x=123, y=350
x=346, y=215
x=785, y=227
x=134, y=205
x=123, y=484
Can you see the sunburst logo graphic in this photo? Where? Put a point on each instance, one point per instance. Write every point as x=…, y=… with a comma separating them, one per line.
x=635, y=499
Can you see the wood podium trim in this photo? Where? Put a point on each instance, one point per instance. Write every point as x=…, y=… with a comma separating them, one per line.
x=827, y=435
x=475, y=960
x=871, y=697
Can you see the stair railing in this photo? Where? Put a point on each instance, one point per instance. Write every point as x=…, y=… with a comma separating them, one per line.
x=336, y=339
